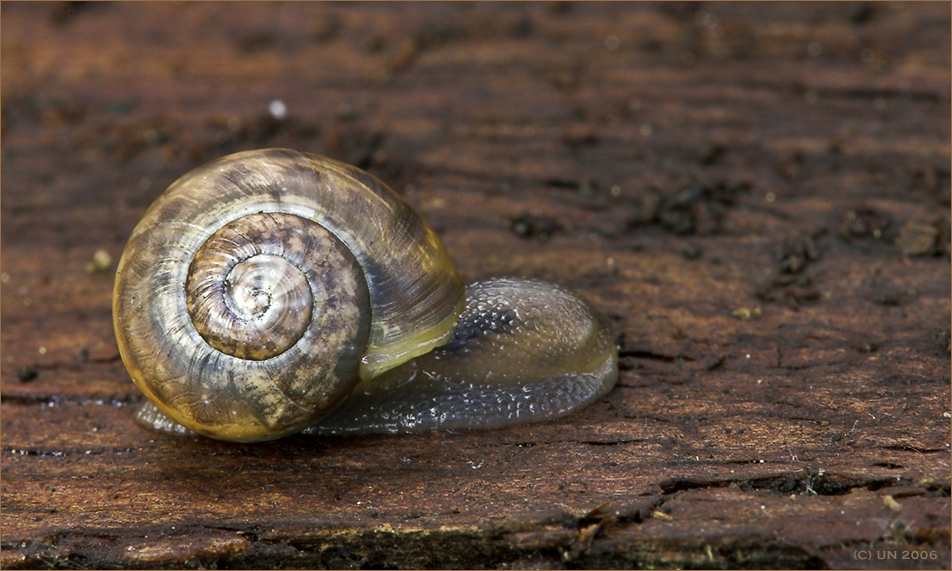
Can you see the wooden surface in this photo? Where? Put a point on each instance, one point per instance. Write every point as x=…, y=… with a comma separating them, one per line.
x=757, y=195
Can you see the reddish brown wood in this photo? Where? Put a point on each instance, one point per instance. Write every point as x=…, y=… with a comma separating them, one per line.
x=756, y=194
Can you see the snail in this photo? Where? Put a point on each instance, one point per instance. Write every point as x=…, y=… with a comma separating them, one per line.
x=273, y=292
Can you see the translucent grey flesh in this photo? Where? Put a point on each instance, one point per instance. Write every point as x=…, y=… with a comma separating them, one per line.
x=524, y=351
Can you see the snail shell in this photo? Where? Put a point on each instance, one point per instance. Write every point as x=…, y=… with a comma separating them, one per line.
x=273, y=291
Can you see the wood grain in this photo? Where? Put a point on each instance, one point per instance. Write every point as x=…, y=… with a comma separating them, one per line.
x=757, y=195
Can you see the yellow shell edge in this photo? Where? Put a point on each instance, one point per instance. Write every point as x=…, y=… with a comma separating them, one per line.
x=379, y=360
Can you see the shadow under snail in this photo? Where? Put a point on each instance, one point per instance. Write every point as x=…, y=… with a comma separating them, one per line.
x=273, y=292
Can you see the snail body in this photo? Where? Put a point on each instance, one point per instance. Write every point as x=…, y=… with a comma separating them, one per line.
x=272, y=292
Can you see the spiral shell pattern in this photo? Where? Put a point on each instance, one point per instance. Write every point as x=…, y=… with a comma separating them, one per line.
x=259, y=288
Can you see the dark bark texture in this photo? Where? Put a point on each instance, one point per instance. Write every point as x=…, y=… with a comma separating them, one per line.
x=757, y=195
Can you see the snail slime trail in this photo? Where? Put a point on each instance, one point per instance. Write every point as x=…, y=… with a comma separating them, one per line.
x=272, y=292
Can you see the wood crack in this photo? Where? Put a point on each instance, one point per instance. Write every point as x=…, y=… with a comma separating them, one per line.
x=815, y=483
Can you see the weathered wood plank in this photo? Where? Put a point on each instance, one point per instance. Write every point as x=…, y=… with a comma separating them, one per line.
x=757, y=195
